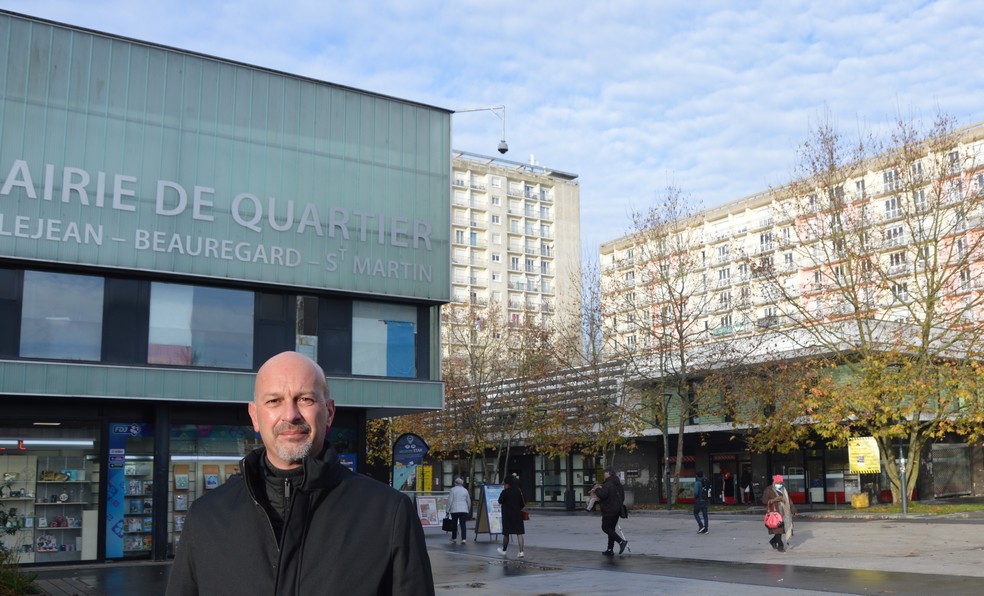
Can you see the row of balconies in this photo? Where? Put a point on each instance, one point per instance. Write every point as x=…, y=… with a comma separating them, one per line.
x=515, y=231
x=530, y=214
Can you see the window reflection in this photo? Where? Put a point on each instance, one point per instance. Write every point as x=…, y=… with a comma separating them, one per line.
x=199, y=326
x=62, y=316
x=383, y=339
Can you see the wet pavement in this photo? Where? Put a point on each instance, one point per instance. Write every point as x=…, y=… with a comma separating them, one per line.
x=563, y=556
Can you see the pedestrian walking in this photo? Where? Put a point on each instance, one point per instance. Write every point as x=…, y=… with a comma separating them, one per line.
x=777, y=494
x=702, y=489
x=512, y=504
x=612, y=497
x=459, y=506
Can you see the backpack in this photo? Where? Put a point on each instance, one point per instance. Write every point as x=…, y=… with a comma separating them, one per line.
x=704, y=490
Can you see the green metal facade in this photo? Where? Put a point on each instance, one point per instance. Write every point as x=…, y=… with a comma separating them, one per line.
x=125, y=156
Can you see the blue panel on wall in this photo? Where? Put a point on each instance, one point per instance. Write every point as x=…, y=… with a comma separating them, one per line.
x=399, y=349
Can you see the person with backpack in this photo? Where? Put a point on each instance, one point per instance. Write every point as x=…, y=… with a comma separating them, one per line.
x=702, y=494
x=612, y=497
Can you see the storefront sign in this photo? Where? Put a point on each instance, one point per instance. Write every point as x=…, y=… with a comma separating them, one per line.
x=324, y=197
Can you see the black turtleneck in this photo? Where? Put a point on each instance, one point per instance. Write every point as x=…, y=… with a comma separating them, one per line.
x=279, y=486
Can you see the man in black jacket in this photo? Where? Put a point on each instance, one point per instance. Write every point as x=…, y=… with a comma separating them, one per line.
x=297, y=521
x=612, y=497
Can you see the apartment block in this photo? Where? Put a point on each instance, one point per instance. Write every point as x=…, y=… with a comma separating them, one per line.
x=876, y=235
x=515, y=238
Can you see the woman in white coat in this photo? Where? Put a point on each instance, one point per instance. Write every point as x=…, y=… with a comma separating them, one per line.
x=459, y=506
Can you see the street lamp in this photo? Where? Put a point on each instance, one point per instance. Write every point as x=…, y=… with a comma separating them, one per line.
x=500, y=112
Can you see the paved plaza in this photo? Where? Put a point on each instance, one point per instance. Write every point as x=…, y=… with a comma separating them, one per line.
x=916, y=555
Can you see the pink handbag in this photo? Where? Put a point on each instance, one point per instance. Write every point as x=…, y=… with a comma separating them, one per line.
x=773, y=519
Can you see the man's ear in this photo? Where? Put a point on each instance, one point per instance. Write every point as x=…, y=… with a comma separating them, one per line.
x=331, y=412
x=251, y=408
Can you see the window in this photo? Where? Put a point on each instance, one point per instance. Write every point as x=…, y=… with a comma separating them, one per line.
x=497, y=220
x=62, y=316
x=384, y=339
x=919, y=199
x=896, y=261
x=530, y=266
x=788, y=260
x=497, y=201
x=726, y=322
x=496, y=257
x=916, y=171
x=459, y=236
x=890, y=180
x=724, y=300
x=859, y=187
x=894, y=236
x=901, y=291
x=922, y=256
x=200, y=326
x=473, y=238
x=630, y=342
x=545, y=268
x=496, y=183
x=514, y=263
x=496, y=277
x=954, y=190
x=954, y=160
x=892, y=208
x=497, y=239
x=965, y=279
x=724, y=276
x=630, y=277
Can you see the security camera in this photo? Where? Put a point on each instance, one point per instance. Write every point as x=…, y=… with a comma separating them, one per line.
x=503, y=147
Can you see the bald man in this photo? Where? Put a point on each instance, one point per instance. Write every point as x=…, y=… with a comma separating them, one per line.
x=297, y=522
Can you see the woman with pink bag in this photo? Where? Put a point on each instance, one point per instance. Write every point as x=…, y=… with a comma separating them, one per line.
x=776, y=496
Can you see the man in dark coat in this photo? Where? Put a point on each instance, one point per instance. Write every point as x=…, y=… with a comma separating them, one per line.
x=297, y=521
x=612, y=497
x=700, y=502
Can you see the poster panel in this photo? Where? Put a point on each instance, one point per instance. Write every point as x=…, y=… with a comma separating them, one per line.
x=863, y=455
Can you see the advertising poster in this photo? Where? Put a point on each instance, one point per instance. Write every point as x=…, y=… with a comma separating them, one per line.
x=408, y=452
x=489, y=513
x=863, y=455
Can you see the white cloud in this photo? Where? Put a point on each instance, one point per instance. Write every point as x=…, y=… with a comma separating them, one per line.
x=631, y=95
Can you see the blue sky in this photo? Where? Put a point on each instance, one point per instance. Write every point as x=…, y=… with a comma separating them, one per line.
x=711, y=96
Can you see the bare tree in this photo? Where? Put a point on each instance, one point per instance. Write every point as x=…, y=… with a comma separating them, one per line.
x=882, y=303
x=676, y=310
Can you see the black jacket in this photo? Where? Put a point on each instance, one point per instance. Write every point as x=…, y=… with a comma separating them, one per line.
x=612, y=495
x=343, y=534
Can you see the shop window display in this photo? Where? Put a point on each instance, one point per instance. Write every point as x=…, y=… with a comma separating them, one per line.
x=49, y=491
